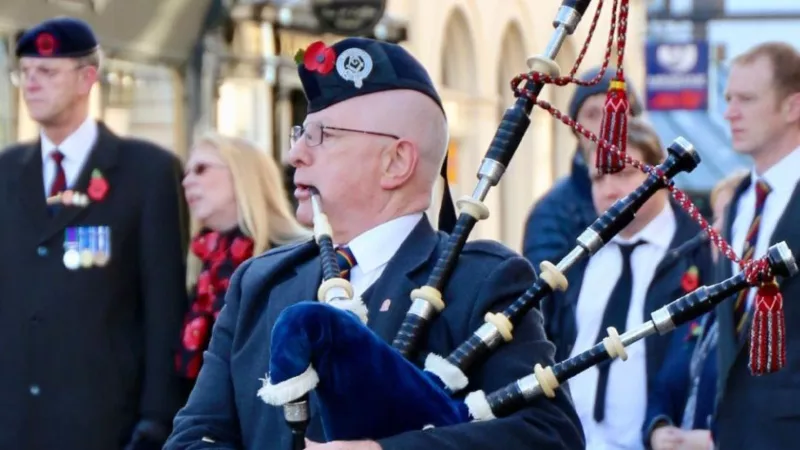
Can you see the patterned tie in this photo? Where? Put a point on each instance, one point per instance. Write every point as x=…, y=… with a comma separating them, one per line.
x=346, y=261
x=740, y=308
x=615, y=315
x=60, y=180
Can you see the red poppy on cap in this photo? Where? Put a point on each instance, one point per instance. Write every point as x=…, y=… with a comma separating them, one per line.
x=319, y=57
x=45, y=44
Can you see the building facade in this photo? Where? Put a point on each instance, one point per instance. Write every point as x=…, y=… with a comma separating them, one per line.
x=473, y=49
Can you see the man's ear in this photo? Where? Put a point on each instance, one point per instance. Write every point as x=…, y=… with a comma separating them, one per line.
x=89, y=76
x=398, y=163
x=791, y=108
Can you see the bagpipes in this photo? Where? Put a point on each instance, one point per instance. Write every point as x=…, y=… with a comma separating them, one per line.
x=312, y=346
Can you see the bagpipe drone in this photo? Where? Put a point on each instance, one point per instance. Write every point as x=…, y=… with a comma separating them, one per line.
x=312, y=343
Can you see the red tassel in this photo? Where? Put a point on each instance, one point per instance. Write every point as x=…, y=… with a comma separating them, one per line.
x=614, y=129
x=768, y=332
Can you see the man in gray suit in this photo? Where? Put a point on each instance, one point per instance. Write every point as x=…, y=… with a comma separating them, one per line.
x=763, y=97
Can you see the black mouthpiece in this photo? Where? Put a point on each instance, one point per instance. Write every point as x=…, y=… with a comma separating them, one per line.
x=578, y=5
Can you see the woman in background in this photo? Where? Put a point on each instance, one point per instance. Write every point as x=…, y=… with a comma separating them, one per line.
x=239, y=208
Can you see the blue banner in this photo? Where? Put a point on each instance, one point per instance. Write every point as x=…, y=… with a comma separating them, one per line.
x=677, y=76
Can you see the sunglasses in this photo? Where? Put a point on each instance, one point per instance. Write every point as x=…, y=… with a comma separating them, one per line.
x=200, y=168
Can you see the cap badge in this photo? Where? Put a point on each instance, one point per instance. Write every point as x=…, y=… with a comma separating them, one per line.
x=354, y=64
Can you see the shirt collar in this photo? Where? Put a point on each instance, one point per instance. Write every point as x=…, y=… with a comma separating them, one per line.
x=375, y=247
x=657, y=232
x=76, y=146
x=783, y=176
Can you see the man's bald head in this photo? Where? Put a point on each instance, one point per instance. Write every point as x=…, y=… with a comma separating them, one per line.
x=405, y=113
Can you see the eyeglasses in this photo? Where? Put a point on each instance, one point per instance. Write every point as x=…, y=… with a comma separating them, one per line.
x=314, y=131
x=200, y=168
x=46, y=74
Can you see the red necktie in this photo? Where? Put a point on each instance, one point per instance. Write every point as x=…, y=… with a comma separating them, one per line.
x=60, y=180
x=740, y=308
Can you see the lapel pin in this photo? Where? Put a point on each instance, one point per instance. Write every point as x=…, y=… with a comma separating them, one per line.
x=385, y=305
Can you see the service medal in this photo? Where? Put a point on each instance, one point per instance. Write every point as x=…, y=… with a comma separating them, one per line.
x=72, y=257
x=103, y=252
x=83, y=245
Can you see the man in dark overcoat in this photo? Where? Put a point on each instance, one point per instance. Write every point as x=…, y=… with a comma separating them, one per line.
x=93, y=231
x=373, y=145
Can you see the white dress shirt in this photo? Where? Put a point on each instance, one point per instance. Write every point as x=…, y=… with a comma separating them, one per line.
x=626, y=394
x=374, y=248
x=76, y=148
x=782, y=179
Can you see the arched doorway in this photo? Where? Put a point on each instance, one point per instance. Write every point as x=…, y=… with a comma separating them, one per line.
x=516, y=186
x=459, y=86
x=564, y=141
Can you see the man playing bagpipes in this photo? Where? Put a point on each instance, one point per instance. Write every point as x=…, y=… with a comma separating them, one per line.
x=462, y=317
x=370, y=151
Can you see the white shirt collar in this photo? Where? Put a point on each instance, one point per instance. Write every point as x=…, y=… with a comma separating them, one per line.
x=76, y=146
x=375, y=247
x=658, y=232
x=781, y=177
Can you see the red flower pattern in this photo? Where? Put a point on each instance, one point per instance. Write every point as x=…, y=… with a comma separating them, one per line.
x=220, y=254
x=319, y=57
x=241, y=250
x=195, y=333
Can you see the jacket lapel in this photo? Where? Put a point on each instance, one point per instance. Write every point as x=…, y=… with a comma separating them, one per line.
x=787, y=228
x=727, y=344
x=103, y=156
x=390, y=295
x=303, y=284
x=31, y=182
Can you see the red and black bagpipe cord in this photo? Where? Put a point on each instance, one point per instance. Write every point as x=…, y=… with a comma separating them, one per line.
x=220, y=254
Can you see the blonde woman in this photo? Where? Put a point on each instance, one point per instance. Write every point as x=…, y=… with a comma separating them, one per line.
x=239, y=208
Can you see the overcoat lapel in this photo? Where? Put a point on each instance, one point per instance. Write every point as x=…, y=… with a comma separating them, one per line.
x=102, y=157
x=388, y=299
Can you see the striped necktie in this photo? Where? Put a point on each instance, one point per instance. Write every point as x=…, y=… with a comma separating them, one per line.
x=741, y=310
x=346, y=260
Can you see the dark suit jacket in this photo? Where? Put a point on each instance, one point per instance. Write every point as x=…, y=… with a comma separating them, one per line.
x=760, y=411
x=488, y=276
x=556, y=220
x=88, y=353
x=688, y=248
x=667, y=400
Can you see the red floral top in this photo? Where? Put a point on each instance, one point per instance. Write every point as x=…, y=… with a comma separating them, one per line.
x=221, y=254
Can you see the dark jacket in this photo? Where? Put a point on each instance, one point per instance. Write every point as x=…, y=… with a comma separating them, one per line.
x=667, y=401
x=760, y=411
x=224, y=405
x=89, y=352
x=686, y=250
x=560, y=216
